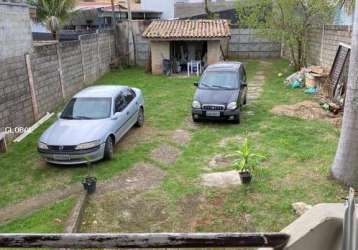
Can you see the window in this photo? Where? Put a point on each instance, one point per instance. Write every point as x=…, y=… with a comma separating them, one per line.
x=87, y=109
x=129, y=95
x=244, y=79
x=119, y=104
x=219, y=80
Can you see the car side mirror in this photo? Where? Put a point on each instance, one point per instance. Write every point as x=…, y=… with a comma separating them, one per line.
x=196, y=84
x=116, y=116
x=59, y=115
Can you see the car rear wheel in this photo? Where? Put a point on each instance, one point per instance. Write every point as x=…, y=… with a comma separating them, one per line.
x=140, y=119
x=108, y=149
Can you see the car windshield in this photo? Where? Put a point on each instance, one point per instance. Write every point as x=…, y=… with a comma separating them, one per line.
x=219, y=80
x=87, y=109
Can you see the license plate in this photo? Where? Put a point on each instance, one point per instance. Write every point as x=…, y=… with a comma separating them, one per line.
x=61, y=157
x=213, y=113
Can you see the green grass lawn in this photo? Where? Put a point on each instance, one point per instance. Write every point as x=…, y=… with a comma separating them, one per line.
x=50, y=219
x=299, y=154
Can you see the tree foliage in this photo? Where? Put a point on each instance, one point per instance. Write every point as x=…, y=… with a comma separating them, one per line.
x=53, y=12
x=286, y=21
x=348, y=5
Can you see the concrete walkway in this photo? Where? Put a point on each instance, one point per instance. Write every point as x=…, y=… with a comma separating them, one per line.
x=255, y=85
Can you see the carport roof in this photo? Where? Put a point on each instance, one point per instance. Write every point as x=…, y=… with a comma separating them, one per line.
x=187, y=29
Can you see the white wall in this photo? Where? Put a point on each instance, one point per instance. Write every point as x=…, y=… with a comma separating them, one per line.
x=165, y=6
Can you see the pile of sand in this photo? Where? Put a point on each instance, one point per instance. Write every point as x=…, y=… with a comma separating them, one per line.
x=308, y=110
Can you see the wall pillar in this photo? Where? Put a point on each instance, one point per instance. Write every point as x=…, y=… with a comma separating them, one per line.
x=214, y=52
x=35, y=108
x=160, y=50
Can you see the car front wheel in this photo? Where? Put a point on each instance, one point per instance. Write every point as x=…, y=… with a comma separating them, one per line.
x=236, y=119
x=140, y=119
x=108, y=149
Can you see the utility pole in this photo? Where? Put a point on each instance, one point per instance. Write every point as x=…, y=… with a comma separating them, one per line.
x=131, y=35
x=114, y=27
x=345, y=166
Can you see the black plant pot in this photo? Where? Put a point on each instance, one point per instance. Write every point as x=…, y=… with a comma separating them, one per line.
x=245, y=177
x=89, y=184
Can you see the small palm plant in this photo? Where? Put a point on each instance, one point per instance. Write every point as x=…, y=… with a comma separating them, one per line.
x=89, y=183
x=245, y=162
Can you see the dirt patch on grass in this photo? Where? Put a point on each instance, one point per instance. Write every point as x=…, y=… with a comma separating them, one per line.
x=219, y=161
x=140, y=177
x=307, y=110
x=207, y=212
x=188, y=208
x=190, y=124
x=127, y=212
x=165, y=154
x=231, y=140
x=137, y=136
x=181, y=136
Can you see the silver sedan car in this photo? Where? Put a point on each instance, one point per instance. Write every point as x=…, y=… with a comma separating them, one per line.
x=91, y=124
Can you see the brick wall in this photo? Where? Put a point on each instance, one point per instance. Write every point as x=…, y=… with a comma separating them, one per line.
x=90, y=57
x=323, y=43
x=45, y=68
x=15, y=99
x=244, y=43
x=57, y=69
x=72, y=71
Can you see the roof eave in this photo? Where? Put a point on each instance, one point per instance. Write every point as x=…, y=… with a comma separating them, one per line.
x=187, y=38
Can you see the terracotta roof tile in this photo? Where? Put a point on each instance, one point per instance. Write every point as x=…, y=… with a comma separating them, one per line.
x=187, y=29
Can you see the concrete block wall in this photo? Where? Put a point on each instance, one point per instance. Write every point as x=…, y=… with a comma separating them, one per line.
x=323, y=43
x=47, y=62
x=91, y=58
x=142, y=44
x=244, y=43
x=15, y=98
x=45, y=68
x=72, y=70
x=105, y=52
x=15, y=29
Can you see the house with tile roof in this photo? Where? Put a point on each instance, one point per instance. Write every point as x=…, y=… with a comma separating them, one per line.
x=183, y=41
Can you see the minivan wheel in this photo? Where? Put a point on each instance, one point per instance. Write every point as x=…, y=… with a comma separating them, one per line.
x=195, y=119
x=108, y=149
x=236, y=119
x=140, y=119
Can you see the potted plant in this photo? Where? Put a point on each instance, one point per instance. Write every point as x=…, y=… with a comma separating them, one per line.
x=245, y=162
x=90, y=182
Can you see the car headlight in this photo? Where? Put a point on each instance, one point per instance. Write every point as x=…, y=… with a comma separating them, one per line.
x=42, y=145
x=88, y=145
x=232, y=106
x=196, y=105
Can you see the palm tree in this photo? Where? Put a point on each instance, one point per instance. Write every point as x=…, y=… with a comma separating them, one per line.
x=345, y=166
x=53, y=13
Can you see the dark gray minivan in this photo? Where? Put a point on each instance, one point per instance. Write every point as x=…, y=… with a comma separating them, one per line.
x=221, y=92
